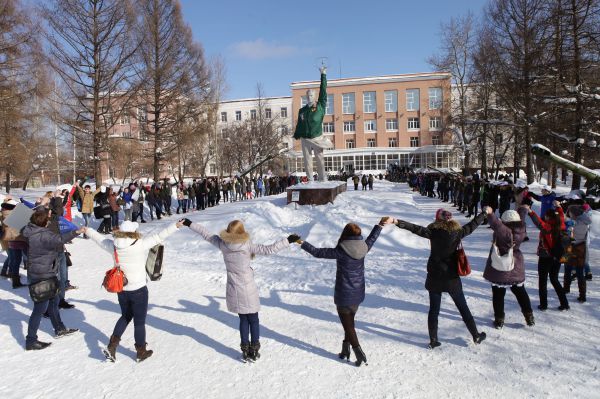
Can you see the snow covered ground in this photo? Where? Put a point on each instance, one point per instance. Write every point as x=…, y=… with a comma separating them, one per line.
x=196, y=340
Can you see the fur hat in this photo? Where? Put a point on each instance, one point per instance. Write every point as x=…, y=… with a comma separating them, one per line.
x=128, y=227
x=510, y=216
x=443, y=214
x=235, y=233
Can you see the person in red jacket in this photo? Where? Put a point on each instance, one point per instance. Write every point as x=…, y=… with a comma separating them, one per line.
x=550, y=250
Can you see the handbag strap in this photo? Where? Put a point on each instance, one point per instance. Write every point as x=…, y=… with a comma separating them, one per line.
x=116, y=256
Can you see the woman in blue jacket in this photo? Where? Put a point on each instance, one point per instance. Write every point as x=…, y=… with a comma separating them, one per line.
x=349, y=291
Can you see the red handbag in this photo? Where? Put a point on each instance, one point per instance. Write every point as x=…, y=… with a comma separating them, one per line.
x=464, y=268
x=115, y=279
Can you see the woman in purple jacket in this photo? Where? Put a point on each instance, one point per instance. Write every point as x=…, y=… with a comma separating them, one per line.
x=349, y=291
x=502, y=272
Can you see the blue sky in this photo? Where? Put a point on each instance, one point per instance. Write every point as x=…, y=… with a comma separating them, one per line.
x=277, y=42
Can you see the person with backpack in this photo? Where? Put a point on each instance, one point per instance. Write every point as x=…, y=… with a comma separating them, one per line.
x=242, y=294
x=445, y=235
x=505, y=266
x=550, y=251
x=349, y=292
x=578, y=254
x=131, y=249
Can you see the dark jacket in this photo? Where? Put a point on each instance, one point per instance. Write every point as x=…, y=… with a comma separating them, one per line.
x=43, y=246
x=444, y=237
x=504, y=237
x=350, y=276
x=547, y=239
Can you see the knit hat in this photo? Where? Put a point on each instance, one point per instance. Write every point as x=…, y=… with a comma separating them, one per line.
x=443, y=214
x=103, y=189
x=545, y=187
x=128, y=227
x=510, y=216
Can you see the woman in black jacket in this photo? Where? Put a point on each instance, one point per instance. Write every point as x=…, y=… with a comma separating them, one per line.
x=43, y=245
x=444, y=235
x=349, y=291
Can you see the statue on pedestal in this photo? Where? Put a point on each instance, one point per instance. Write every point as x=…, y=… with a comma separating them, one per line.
x=309, y=129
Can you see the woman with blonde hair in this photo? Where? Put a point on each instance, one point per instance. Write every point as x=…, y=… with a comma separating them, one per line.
x=241, y=293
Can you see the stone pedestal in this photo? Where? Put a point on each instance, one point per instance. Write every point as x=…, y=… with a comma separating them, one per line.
x=315, y=193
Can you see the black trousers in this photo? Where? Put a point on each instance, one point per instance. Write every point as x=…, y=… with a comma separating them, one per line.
x=548, y=266
x=498, y=299
x=435, y=301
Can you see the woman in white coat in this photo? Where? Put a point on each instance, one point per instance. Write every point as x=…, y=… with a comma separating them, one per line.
x=132, y=251
x=242, y=293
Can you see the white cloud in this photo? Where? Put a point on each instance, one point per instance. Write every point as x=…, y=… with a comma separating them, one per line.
x=259, y=50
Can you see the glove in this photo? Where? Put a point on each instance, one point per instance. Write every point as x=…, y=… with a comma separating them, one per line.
x=187, y=222
x=293, y=238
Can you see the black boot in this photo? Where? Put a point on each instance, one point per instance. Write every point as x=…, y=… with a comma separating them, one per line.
x=529, y=319
x=499, y=322
x=345, y=353
x=37, y=345
x=479, y=337
x=253, y=352
x=360, y=356
x=64, y=332
x=245, y=352
x=65, y=305
x=16, y=282
x=4, y=273
x=434, y=343
x=582, y=290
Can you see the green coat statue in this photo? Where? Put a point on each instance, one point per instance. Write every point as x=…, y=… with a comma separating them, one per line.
x=310, y=118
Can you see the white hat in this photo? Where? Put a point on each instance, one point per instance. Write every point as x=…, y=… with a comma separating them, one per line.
x=128, y=227
x=102, y=189
x=510, y=216
x=12, y=202
x=546, y=187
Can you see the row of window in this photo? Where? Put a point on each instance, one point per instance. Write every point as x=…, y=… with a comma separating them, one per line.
x=391, y=101
x=391, y=125
x=268, y=114
x=392, y=142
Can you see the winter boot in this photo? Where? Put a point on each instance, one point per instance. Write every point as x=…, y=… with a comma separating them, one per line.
x=345, y=353
x=360, y=356
x=245, y=352
x=582, y=288
x=529, y=319
x=16, y=282
x=65, y=305
x=567, y=283
x=64, y=332
x=479, y=337
x=498, y=323
x=142, y=352
x=37, y=345
x=111, y=350
x=588, y=276
x=253, y=352
x=434, y=343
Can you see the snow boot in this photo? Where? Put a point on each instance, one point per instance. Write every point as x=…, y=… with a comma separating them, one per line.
x=16, y=282
x=64, y=332
x=111, y=350
x=253, y=352
x=582, y=290
x=37, y=345
x=563, y=307
x=345, y=353
x=142, y=352
x=529, y=319
x=245, y=352
x=479, y=337
x=360, y=356
x=65, y=305
x=434, y=343
x=588, y=276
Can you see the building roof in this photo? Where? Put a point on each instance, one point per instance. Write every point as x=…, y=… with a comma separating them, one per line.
x=255, y=99
x=410, y=77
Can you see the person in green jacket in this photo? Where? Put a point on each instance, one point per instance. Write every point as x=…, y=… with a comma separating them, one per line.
x=309, y=129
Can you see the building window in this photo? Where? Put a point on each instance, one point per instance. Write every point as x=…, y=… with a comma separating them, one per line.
x=392, y=142
x=414, y=141
x=413, y=123
x=268, y=113
x=238, y=115
x=412, y=99
x=369, y=102
x=371, y=143
x=124, y=120
x=142, y=115
x=253, y=114
x=348, y=103
x=328, y=127
x=127, y=134
x=283, y=112
x=349, y=127
x=350, y=143
x=435, y=98
x=391, y=100
x=370, y=125
x=329, y=108
x=435, y=123
x=223, y=116
x=391, y=125
x=436, y=140
x=213, y=169
x=284, y=130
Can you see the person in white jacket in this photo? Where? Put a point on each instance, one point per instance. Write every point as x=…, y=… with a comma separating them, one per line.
x=132, y=251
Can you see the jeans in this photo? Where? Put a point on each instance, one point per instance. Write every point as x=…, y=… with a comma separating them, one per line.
x=550, y=266
x=138, y=211
x=36, y=317
x=435, y=300
x=134, y=306
x=86, y=218
x=249, y=324
x=114, y=217
x=127, y=213
x=63, y=273
x=182, y=204
x=15, y=256
x=498, y=299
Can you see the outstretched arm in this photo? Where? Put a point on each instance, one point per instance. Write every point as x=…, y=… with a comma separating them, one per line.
x=260, y=249
x=105, y=243
x=414, y=228
x=472, y=225
x=373, y=236
x=325, y=253
x=323, y=90
x=203, y=231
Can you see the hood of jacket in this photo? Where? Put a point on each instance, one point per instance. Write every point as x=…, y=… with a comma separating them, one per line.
x=123, y=242
x=229, y=238
x=356, y=248
x=447, y=225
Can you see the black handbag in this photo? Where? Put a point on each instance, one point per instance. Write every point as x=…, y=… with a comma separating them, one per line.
x=44, y=289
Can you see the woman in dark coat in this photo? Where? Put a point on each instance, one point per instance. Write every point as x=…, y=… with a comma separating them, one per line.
x=509, y=232
x=349, y=291
x=444, y=235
